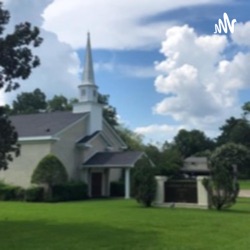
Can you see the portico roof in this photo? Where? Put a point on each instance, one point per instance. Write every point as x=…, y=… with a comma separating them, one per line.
x=113, y=159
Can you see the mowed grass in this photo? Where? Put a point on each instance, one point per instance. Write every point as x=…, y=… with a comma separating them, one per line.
x=121, y=224
x=244, y=184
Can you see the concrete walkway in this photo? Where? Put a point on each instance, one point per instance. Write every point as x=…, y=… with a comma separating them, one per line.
x=244, y=193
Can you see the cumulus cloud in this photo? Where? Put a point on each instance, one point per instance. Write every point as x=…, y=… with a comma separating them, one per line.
x=200, y=84
x=59, y=69
x=160, y=133
x=242, y=33
x=113, y=25
x=126, y=69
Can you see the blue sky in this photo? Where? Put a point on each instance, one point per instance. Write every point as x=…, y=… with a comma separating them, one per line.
x=201, y=79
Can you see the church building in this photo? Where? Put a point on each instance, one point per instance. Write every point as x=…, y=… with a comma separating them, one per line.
x=90, y=149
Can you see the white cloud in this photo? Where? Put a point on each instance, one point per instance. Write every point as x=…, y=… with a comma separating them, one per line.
x=202, y=87
x=127, y=70
x=138, y=71
x=241, y=34
x=58, y=72
x=159, y=133
x=113, y=24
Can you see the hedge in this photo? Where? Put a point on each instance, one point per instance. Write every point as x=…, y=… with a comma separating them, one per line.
x=34, y=194
x=11, y=193
x=70, y=192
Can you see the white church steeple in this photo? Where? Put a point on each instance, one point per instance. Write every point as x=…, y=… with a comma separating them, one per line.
x=88, y=73
x=88, y=89
x=88, y=94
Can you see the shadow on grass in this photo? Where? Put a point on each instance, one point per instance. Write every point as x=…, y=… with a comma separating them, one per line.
x=237, y=211
x=42, y=235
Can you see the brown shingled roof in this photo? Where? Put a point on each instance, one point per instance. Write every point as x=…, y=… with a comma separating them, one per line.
x=43, y=124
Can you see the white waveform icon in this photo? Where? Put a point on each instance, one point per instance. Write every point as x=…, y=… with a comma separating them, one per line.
x=224, y=25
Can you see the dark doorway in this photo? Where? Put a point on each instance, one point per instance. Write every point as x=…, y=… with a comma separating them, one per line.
x=96, y=184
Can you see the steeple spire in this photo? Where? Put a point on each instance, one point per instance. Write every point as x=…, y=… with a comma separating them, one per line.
x=88, y=95
x=88, y=72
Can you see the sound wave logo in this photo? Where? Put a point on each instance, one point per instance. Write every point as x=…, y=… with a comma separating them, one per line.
x=225, y=25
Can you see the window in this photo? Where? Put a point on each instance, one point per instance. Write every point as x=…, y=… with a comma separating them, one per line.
x=83, y=92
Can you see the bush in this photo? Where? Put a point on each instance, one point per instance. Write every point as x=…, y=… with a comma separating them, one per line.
x=223, y=187
x=143, y=182
x=11, y=193
x=50, y=172
x=70, y=191
x=34, y=194
x=117, y=189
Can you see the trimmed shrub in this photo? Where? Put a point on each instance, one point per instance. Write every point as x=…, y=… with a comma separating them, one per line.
x=143, y=182
x=49, y=172
x=117, y=189
x=34, y=194
x=71, y=191
x=11, y=193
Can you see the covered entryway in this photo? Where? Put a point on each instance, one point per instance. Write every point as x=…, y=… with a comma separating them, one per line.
x=98, y=170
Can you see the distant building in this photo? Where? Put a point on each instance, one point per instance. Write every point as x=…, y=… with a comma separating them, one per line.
x=88, y=146
x=194, y=166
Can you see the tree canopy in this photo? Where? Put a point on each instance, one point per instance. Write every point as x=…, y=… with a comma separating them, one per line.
x=16, y=62
x=16, y=59
x=29, y=102
x=190, y=142
x=223, y=186
x=8, y=141
x=36, y=101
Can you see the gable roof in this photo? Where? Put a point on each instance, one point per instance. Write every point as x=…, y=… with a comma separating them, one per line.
x=114, y=159
x=88, y=137
x=196, y=159
x=43, y=124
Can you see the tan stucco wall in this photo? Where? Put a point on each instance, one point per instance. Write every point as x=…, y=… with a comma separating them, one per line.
x=65, y=148
x=113, y=141
x=20, y=170
x=115, y=174
x=97, y=144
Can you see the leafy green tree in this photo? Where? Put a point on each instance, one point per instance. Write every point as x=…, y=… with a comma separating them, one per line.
x=29, y=102
x=171, y=163
x=59, y=103
x=16, y=59
x=190, y=142
x=236, y=130
x=49, y=171
x=246, y=109
x=133, y=140
x=223, y=187
x=109, y=112
x=167, y=160
x=16, y=62
x=143, y=182
x=8, y=140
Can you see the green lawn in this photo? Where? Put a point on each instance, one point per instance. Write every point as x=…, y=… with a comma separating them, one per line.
x=120, y=224
x=244, y=184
